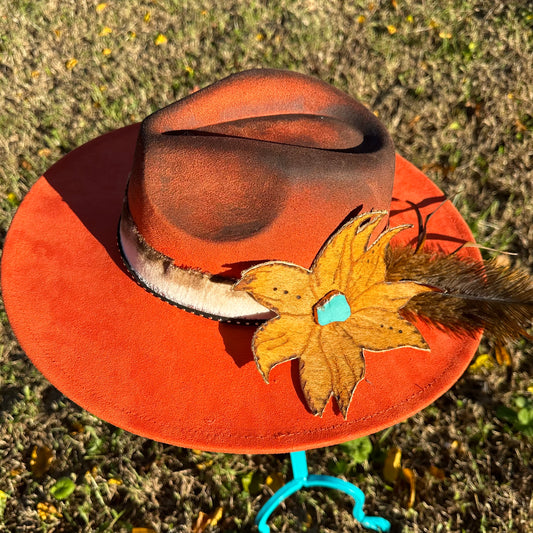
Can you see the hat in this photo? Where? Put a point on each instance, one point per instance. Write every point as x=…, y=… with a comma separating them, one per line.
x=146, y=330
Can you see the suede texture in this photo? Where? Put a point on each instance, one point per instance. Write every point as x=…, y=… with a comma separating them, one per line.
x=166, y=374
x=234, y=173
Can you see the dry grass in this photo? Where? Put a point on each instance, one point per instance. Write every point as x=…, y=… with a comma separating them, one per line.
x=451, y=80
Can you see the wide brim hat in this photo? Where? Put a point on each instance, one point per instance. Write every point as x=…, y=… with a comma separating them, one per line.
x=114, y=344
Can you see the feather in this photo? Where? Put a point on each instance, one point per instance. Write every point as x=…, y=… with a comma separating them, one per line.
x=469, y=295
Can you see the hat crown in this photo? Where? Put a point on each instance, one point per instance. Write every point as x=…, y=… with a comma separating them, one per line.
x=226, y=164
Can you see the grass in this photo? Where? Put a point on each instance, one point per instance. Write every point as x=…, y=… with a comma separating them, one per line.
x=451, y=80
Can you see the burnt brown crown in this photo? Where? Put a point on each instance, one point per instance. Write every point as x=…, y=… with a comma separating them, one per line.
x=225, y=166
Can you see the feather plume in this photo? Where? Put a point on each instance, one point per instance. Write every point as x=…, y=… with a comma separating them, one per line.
x=469, y=295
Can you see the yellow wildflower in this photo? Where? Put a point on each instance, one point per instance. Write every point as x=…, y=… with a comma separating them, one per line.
x=160, y=39
x=12, y=198
x=483, y=361
x=47, y=511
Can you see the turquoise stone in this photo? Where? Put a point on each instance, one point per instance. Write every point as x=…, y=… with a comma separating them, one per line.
x=332, y=309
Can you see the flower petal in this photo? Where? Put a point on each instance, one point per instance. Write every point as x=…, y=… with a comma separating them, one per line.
x=282, y=287
x=370, y=267
x=377, y=330
x=391, y=296
x=346, y=363
x=280, y=340
x=315, y=375
x=331, y=268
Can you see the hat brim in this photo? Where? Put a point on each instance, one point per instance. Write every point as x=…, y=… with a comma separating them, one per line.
x=169, y=375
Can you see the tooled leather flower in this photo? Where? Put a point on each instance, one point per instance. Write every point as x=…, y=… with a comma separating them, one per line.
x=329, y=315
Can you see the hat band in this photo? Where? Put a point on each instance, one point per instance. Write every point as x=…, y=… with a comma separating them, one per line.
x=197, y=292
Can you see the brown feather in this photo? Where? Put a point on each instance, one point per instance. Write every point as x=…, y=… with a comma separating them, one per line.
x=470, y=295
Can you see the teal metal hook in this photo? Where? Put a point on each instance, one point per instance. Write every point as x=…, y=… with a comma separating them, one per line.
x=302, y=479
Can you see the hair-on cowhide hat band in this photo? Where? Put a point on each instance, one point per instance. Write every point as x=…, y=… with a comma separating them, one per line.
x=261, y=165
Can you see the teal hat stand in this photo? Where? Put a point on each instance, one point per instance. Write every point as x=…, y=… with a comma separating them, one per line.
x=302, y=479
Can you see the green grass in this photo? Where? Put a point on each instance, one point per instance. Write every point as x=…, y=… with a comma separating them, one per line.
x=451, y=80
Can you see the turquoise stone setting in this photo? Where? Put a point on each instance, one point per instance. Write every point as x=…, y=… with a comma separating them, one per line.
x=332, y=308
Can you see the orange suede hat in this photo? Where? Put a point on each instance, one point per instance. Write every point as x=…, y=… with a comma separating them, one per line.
x=118, y=268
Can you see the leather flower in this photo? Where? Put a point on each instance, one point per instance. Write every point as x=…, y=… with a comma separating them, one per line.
x=329, y=315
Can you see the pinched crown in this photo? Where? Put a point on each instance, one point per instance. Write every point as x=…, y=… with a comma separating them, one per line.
x=229, y=176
